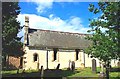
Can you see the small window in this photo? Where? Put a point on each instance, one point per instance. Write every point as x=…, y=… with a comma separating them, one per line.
x=35, y=57
x=54, y=54
x=77, y=54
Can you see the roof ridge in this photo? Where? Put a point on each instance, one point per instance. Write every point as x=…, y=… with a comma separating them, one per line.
x=60, y=31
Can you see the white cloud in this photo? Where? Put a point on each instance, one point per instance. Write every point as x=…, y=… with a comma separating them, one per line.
x=42, y=5
x=61, y=0
x=73, y=24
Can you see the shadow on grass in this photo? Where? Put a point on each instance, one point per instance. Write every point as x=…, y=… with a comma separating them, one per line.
x=58, y=73
x=47, y=73
x=50, y=73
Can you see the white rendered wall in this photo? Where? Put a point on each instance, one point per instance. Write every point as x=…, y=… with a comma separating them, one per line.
x=63, y=59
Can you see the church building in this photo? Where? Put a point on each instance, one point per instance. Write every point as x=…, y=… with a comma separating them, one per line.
x=52, y=48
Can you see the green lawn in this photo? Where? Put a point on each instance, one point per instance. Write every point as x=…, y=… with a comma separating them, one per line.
x=86, y=72
x=15, y=71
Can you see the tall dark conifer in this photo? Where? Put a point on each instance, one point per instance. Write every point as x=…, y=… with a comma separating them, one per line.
x=11, y=44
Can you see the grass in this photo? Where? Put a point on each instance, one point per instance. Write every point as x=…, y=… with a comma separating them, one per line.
x=9, y=72
x=14, y=72
x=86, y=72
x=114, y=74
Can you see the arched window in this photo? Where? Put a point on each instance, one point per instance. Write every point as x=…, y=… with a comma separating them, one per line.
x=35, y=57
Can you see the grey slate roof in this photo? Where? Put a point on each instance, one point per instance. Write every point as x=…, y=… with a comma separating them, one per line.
x=56, y=39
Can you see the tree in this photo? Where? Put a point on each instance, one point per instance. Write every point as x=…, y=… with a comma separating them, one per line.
x=11, y=44
x=106, y=43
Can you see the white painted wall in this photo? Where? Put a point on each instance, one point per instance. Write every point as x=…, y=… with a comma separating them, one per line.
x=63, y=59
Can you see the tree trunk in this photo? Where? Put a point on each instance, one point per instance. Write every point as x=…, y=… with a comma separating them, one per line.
x=107, y=73
x=7, y=61
x=107, y=70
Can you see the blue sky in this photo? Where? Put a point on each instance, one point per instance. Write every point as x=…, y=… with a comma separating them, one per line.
x=58, y=16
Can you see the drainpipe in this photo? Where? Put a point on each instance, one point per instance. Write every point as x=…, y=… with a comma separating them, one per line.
x=38, y=63
x=84, y=58
x=47, y=58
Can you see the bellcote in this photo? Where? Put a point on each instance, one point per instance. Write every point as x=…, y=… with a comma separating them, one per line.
x=26, y=27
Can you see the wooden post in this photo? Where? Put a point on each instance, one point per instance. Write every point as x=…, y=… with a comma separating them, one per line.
x=23, y=71
x=73, y=66
x=42, y=71
x=58, y=66
x=18, y=71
